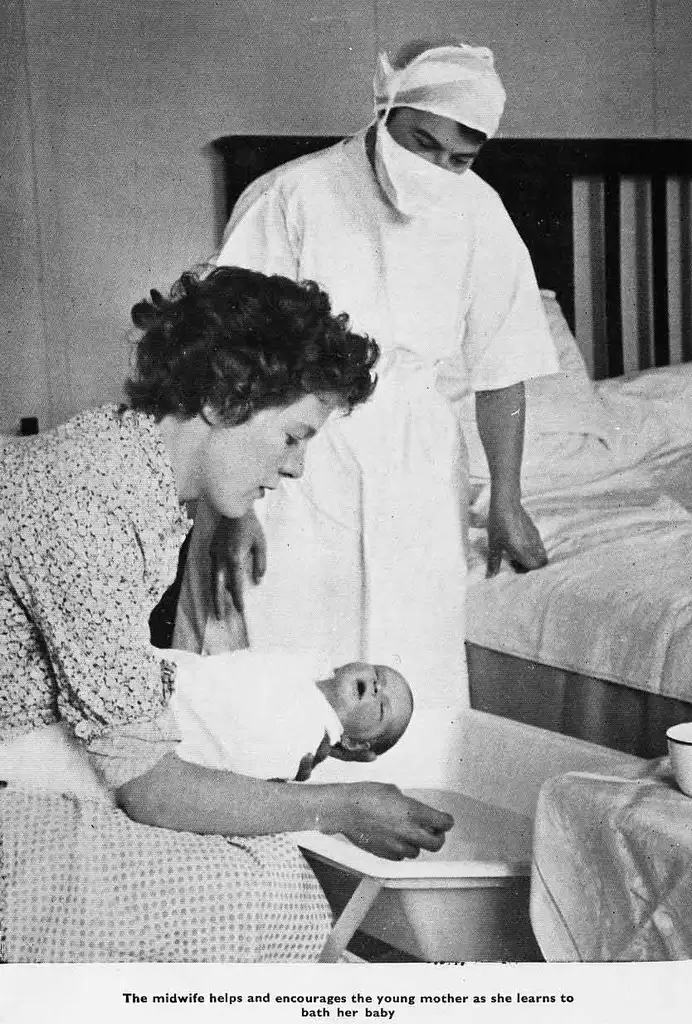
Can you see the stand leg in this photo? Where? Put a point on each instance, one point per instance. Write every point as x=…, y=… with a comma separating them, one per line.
x=351, y=916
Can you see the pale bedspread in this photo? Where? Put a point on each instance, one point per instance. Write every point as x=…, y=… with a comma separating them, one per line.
x=612, y=867
x=615, y=601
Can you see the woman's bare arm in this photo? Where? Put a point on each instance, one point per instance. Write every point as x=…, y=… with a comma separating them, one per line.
x=178, y=795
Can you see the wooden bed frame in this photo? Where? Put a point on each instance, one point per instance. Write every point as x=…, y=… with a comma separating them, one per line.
x=547, y=185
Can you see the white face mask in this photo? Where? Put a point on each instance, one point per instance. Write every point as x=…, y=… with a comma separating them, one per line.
x=413, y=185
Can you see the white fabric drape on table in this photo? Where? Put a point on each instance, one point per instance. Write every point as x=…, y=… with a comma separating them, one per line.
x=612, y=870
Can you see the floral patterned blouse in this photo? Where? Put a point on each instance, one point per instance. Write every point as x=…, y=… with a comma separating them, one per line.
x=90, y=529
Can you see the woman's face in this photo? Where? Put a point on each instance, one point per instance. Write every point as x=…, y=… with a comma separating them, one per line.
x=439, y=140
x=235, y=465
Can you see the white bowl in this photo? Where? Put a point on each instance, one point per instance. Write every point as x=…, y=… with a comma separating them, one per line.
x=680, y=749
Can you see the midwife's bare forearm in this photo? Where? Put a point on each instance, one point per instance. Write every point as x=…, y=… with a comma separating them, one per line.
x=500, y=417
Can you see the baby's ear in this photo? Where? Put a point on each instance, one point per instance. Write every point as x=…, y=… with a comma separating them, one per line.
x=348, y=749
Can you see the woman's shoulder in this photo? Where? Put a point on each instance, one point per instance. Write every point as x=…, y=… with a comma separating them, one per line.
x=107, y=457
x=110, y=425
x=85, y=430
x=86, y=447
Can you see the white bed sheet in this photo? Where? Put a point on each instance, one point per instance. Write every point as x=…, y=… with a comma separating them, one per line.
x=615, y=602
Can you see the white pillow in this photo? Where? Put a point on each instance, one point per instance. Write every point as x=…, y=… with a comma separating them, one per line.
x=558, y=406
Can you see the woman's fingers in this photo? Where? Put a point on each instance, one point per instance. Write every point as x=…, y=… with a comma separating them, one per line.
x=234, y=585
x=408, y=851
x=392, y=849
x=400, y=847
x=259, y=558
x=227, y=579
x=238, y=545
x=429, y=818
x=219, y=590
x=494, y=560
x=430, y=827
x=393, y=825
x=430, y=840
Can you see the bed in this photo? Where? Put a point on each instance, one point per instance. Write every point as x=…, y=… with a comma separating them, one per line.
x=599, y=644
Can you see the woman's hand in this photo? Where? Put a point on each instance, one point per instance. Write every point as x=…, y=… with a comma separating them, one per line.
x=237, y=547
x=512, y=532
x=389, y=824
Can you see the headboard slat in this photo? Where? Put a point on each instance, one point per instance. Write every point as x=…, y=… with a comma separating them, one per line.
x=685, y=277
x=613, y=275
x=659, y=251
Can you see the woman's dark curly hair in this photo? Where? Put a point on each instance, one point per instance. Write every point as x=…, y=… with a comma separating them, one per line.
x=240, y=341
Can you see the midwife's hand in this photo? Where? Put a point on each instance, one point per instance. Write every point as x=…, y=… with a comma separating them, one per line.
x=391, y=825
x=238, y=546
x=512, y=532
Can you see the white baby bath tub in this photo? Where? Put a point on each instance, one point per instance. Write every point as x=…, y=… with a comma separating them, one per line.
x=467, y=902
x=470, y=901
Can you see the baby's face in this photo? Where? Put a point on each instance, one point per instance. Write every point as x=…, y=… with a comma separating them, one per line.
x=373, y=702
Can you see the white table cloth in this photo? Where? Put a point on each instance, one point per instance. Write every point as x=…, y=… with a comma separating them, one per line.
x=612, y=867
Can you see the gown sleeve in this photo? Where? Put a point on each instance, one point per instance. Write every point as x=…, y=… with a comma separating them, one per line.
x=507, y=337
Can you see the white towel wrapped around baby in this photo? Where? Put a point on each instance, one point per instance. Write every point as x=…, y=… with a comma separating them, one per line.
x=256, y=712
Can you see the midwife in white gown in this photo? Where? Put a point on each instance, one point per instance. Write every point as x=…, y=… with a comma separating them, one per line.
x=365, y=555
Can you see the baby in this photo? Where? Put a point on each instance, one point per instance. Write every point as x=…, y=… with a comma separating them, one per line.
x=277, y=714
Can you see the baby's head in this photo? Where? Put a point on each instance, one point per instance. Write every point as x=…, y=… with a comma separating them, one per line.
x=374, y=704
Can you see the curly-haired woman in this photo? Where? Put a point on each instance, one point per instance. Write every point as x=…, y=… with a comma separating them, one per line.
x=235, y=372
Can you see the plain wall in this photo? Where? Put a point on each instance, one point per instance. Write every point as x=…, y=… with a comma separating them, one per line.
x=23, y=374
x=108, y=186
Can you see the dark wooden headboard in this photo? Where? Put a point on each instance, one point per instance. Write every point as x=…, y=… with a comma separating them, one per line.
x=536, y=179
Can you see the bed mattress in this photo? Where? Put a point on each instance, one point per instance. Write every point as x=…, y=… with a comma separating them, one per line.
x=615, y=601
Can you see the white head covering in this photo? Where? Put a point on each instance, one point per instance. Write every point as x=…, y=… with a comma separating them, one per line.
x=457, y=81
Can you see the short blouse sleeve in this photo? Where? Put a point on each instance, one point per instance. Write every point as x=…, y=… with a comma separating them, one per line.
x=81, y=581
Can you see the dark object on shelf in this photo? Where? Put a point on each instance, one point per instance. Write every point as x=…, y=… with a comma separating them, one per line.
x=28, y=425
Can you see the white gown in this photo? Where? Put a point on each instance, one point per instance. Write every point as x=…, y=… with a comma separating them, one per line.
x=366, y=552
